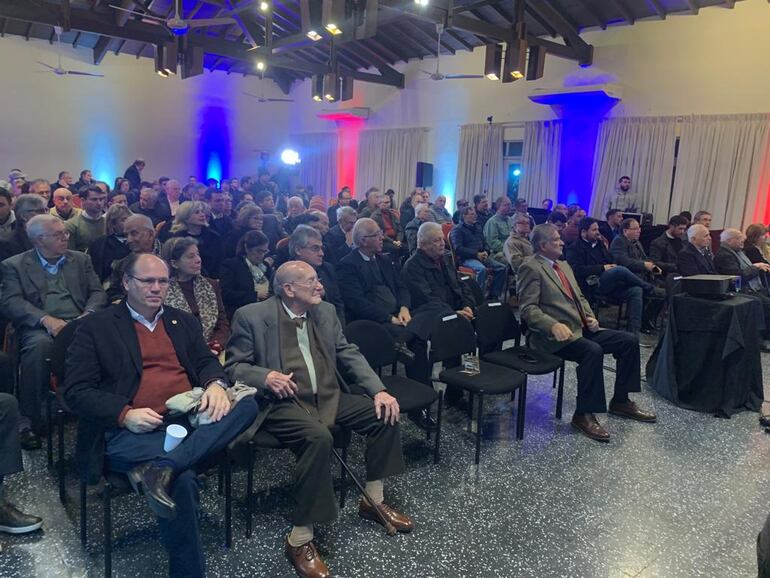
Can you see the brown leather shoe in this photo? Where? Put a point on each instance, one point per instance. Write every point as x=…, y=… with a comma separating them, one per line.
x=630, y=410
x=588, y=425
x=401, y=522
x=306, y=560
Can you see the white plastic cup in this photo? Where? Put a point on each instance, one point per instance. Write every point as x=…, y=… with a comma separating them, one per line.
x=174, y=436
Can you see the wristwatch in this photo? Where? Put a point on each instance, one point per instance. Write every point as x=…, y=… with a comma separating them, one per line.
x=220, y=382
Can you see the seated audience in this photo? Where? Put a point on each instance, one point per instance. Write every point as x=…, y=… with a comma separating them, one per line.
x=756, y=247
x=389, y=222
x=461, y=204
x=317, y=203
x=250, y=218
x=26, y=207
x=611, y=228
x=547, y=204
x=272, y=220
x=281, y=255
x=64, y=181
x=408, y=207
x=308, y=398
x=373, y=198
x=17, y=180
x=571, y=231
x=12, y=520
x=193, y=293
x=695, y=257
x=483, y=213
x=558, y=220
x=702, y=218
x=191, y=221
x=117, y=198
x=43, y=289
x=246, y=277
x=561, y=322
x=339, y=238
x=687, y=216
x=140, y=239
x=219, y=219
x=517, y=247
x=598, y=274
x=498, y=228
x=372, y=290
x=62, y=205
x=123, y=365
x=87, y=226
x=306, y=244
x=170, y=196
x=7, y=217
x=343, y=200
x=42, y=188
x=521, y=207
x=731, y=259
x=294, y=208
x=561, y=208
x=664, y=250
x=112, y=247
x=423, y=214
x=472, y=251
x=149, y=206
x=440, y=211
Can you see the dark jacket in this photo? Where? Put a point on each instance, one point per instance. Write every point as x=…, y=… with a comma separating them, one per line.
x=158, y=214
x=754, y=254
x=410, y=232
x=434, y=284
x=104, y=368
x=335, y=241
x=387, y=242
x=273, y=229
x=586, y=260
x=237, y=284
x=103, y=252
x=726, y=262
x=133, y=176
x=328, y=279
x=210, y=249
x=222, y=225
x=664, y=252
x=608, y=232
x=358, y=285
x=690, y=261
x=406, y=210
x=630, y=254
x=468, y=241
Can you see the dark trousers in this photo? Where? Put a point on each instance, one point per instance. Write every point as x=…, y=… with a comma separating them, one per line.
x=419, y=368
x=10, y=450
x=35, y=347
x=7, y=380
x=311, y=442
x=620, y=283
x=588, y=352
x=181, y=536
x=763, y=551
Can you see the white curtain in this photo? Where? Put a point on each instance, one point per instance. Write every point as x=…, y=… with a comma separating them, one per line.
x=643, y=149
x=540, y=161
x=387, y=159
x=480, y=167
x=720, y=164
x=318, y=166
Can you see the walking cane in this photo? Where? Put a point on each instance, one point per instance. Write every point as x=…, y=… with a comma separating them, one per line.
x=390, y=530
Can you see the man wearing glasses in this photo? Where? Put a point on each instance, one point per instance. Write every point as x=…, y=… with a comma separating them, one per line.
x=292, y=349
x=123, y=365
x=44, y=289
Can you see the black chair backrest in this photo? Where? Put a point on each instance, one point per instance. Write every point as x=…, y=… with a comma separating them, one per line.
x=478, y=294
x=59, y=349
x=494, y=324
x=451, y=336
x=374, y=341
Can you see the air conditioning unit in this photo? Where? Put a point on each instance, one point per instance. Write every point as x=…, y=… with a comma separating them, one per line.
x=572, y=94
x=343, y=114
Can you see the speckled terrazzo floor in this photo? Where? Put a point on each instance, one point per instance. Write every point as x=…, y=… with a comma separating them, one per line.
x=685, y=497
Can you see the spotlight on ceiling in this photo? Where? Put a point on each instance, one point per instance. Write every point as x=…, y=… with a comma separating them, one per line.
x=264, y=6
x=515, y=61
x=421, y=2
x=516, y=172
x=333, y=15
x=331, y=87
x=317, y=85
x=290, y=157
x=313, y=35
x=311, y=19
x=493, y=59
x=261, y=65
x=160, y=69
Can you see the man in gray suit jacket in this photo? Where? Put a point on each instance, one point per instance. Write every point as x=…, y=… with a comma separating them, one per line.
x=291, y=348
x=42, y=290
x=561, y=321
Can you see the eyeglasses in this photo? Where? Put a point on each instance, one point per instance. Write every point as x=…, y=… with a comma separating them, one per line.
x=377, y=235
x=315, y=248
x=58, y=235
x=307, y=284
x=151, y=281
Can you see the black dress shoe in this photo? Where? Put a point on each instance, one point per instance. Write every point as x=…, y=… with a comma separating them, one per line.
x=155, y=484
x=30, y=440
x=14, y=521
x=423, y=419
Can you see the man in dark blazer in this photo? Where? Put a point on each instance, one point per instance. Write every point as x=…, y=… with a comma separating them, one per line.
x=133, y=174
x=695, y=257
x=123, y=365
x=337, y=237
x=664, y=250
x=43, y=289
x=291, y=347
x=562, y=322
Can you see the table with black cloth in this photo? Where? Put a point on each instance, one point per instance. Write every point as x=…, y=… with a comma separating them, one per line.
x=709, y=357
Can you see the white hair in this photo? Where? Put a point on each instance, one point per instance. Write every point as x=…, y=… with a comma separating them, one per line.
x=37, y=226
x=728, y=234
x=363, y=226
x=694, y=230
x=427, y=231
x=342, y=211
x=142, y=220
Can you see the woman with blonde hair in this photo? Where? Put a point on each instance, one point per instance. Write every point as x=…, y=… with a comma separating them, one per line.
x=190, y=291
x=191, y=220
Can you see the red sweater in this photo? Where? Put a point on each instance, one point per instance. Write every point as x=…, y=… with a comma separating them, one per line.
x=163, y=376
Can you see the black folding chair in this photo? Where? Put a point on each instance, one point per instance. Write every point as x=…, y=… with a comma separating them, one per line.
x=378, y=348
x=451, y=337
x=496, y=323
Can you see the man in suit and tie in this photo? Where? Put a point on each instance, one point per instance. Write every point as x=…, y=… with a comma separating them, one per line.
x=43, y=289
x=695, y=257
x=291, y=347
x=561, y=321
x=123, y=365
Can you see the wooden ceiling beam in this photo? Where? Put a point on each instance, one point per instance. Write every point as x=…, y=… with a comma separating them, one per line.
x=658, y=7
x=593, y=14
x=624, y=11
x=76, y=39
x=694, y=6
x=100, y=48
x=419, y=39
x=141, y=50
x=582, y=51
x=457, y=38
x=119, y=47
x=384, y=47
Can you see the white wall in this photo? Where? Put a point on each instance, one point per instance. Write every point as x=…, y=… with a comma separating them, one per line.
x=51, y=123
x=713, y=63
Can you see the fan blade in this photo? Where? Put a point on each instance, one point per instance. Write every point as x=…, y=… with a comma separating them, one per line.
x=428, y=72
x=279, y=99
x=463, y=76
x=135, y=13
x=78, y=73
x=203, y=22
x=46, y=65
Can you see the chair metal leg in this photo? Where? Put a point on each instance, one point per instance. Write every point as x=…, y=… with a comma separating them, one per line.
x=228, y=474
x=220, y=480
x=343, y=478
x=436, y=455
x=554, y=379
x=107, y=499
x=83, y=514
x=49, y=434
x=471, y=399
x=250, y=489
x=479, y=417
x=560, y=391
x=60, y=456
x=522, y=409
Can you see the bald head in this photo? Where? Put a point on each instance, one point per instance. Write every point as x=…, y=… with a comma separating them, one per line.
x=290, y=272
x=140, y=234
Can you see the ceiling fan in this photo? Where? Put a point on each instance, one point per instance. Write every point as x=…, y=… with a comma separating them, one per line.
x=176, y=24
x=58, y=69
x=437, y=74
x=261, y=96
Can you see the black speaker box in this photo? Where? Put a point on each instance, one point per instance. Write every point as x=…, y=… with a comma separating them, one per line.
x=424, y=175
